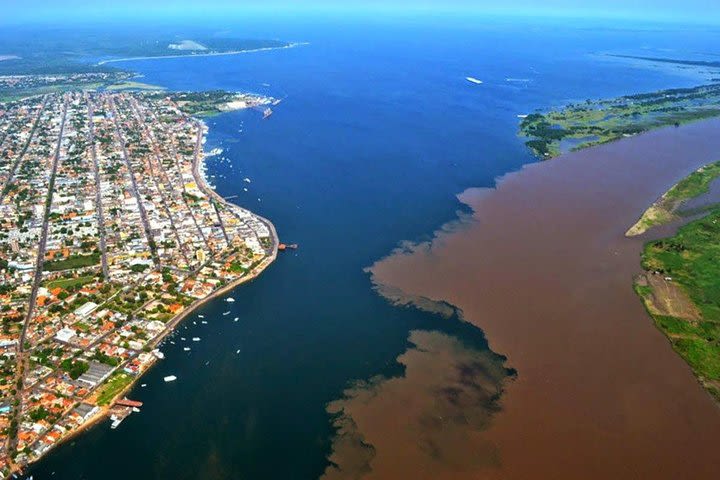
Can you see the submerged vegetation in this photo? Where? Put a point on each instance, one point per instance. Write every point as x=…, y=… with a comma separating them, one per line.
x=594, y=122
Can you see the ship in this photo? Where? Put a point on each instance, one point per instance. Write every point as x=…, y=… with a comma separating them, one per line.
x=473, y=80
x=267, y=112
x=291, y=246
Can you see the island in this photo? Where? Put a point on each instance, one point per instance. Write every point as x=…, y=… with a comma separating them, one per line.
x=594, y=122
x=110, y=236
x=680, y=283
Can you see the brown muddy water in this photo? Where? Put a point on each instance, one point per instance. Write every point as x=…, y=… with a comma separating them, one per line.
x=543, y=268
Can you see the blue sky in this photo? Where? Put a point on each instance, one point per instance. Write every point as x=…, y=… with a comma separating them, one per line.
x=701, y=10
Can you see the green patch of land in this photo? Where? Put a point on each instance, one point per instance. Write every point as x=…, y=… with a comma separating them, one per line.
x=667, y=208
x=110, y=389
x=73, y=261
x=681, y=290
x=595, y=122
x=204, y=104
x=132, y=86
x=66, y=283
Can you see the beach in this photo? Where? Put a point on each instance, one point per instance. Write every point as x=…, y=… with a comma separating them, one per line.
x=544, y=269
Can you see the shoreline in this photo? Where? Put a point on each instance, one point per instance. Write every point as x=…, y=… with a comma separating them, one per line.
x=544, y=269
x=176, y=320
x=210, y=54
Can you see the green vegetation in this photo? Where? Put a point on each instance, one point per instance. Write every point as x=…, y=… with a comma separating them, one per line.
x=66, y=283
x=132, y=86
x=667, y=207
x=685, y=270
x=204, y=104
x=595, y=122
x=74, y=368
x=110, y=389
x=73, y=261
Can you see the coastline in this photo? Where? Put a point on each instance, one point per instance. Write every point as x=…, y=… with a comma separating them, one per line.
x=550, y=286
x=172, y=324
x=211, y=54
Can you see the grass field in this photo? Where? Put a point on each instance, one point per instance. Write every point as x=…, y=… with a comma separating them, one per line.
x=66, y=283
x=690, y=261
x=116, y=384
x=73, y=261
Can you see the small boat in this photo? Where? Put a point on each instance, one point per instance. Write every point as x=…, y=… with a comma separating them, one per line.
x=204, y=322
x=170, y=378
x=187, y=349
x=230, y=299
x=182, y=338
x=226, y=313
x=267, y=112
x=115, y=421
x=474, y=80
x=201, y=316
x=196, y=339
x=236, y=319
x=136, y=409
x=237, y=351
x=144, y=385
x=247, y=180
x=158, y=354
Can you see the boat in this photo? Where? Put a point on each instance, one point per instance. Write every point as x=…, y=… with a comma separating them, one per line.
x=204, y=322
x=226, y=313
x=170, y=378
x=144, y=385
x=196, y=339
x=230, y=299
x=136, y=409
x=201, y=316
x=267, y=112
x=283, y=246
x=187, y=349
x=237, y=351
x=115, y=421
x=247, y=180
x=236, y=319
x=474, y=80
x=158, y=354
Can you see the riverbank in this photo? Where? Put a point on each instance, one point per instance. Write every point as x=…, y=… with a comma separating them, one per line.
x=544, y=268
x=210, y=54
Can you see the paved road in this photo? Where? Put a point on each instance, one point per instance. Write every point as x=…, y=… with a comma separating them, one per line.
x=98, y=194
x=133, y=182
x=18, y=160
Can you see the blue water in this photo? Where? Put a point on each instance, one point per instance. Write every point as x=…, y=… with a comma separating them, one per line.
x=378, y=132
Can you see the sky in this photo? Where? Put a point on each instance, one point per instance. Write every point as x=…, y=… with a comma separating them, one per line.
x=682, y=10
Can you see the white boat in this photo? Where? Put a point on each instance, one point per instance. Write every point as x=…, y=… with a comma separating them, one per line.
x=230, y=299
x=196, y=339
x=201, y=316
x=187, y=349
x=246, y=180
x=144, y=385
x=170, y=378
x=522, y=115
x=237, y=351
x=158, y=354
x=236, y=319
x=204, y=322
x=136, y=409
x=115, y=422
x=226, y=313
x=474, y=80
x=182, y=338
